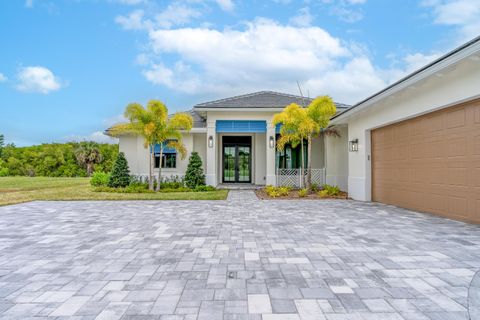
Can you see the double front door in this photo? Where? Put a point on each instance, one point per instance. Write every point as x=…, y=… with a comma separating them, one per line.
x=237, y=159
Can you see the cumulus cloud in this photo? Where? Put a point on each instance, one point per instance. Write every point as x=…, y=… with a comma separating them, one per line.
x=303, y=18
x=226, y=5
x=97, y=136
x=462, y=14
x=262, y=55
x=3, y=78
x=37, y=79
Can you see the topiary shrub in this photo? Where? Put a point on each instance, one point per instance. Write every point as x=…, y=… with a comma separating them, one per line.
x=194, y=175
x=99, y=179
x=120, y=175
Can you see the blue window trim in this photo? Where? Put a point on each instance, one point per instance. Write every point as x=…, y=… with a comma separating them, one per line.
x=156, y=148
x=251, y=126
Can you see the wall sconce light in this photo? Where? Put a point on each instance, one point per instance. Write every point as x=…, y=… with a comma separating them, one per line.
x=353, y=145
x=271, y=142
x=210, y=142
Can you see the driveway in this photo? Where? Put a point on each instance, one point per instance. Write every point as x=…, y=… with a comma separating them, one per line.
x=236, y=259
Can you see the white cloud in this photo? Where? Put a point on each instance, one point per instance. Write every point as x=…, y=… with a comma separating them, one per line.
x=37, y=79
x=346, y=10
x=264, y=55
x=97, y=136
x=29, y=4
x=174, y=15
x=133, y=21
x=462, y=14
x=226, y=5
x=3, y=78
x=303, y=19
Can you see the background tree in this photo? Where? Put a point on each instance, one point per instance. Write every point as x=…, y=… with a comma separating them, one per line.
x=299, y=124
x=88, y=155
x=156, y=127
x=120, y=175
x=2, y=143
x=194, y=175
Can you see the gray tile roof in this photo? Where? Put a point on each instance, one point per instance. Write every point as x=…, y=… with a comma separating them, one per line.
x=262, y=99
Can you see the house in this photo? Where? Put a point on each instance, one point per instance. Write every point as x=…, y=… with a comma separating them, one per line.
x=414, y=144
x=236, y=140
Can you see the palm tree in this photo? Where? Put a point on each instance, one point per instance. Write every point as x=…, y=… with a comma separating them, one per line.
x=156, y=127
x=87, y=155
x=299, y=124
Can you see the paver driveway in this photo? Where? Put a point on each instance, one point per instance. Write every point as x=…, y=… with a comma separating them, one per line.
x=236, y=259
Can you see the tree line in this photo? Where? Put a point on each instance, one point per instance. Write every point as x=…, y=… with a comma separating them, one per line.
x=71, y=159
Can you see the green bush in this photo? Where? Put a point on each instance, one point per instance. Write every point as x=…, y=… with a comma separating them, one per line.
x=129, y=189
x=314, y=187
x=194, y=176
x=99, y=179
x=277, y=191
x=329, y=191
x=120, y=175
x=204, y=188
x=302, y=193
x=171, y=185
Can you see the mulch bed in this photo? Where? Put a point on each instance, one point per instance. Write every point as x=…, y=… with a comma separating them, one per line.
x=293, y=195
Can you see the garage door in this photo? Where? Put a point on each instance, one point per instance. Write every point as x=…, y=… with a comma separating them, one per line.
x=431, y=163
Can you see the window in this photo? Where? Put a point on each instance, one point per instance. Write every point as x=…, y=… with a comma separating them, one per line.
x=169, y=160
x=290, y=158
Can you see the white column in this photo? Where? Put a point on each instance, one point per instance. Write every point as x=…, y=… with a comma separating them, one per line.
x=211, y=175
x=270, y=155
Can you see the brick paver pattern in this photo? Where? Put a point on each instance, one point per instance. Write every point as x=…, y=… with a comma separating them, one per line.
x=232, y=260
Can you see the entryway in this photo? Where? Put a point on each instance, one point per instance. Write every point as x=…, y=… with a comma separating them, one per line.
x=237, y=159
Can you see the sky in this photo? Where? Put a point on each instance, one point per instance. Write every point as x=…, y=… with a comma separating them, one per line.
x=68, y=68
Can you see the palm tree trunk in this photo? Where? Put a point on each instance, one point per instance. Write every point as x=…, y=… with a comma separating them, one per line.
x=160, y=170
x=150, y=175
x=309, y=162
x=89, y=169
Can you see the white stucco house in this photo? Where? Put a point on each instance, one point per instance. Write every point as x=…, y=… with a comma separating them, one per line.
x=414, y=144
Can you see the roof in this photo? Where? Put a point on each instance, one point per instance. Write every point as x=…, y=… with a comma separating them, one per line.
x=258, y=100
x=434, y=66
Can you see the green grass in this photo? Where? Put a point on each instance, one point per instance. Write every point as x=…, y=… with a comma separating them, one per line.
x=23, y=189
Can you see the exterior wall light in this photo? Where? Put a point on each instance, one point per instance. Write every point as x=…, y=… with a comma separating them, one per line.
x=271, y=142
x=210, y=142
x=353, y=145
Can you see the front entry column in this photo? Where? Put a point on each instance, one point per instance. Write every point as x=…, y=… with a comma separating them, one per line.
x=211, y=175
x=271, y=178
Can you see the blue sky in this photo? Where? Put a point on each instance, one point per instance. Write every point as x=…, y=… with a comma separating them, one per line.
x=68, y=68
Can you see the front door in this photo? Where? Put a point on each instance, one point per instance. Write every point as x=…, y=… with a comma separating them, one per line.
x=237, y=159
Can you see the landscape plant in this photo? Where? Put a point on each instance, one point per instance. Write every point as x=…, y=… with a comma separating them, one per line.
x=194, y=176
x=120, y=175
x=156, y=128
x=300, y=124
x=88, y=154
x=99, y=179
x=302, y=193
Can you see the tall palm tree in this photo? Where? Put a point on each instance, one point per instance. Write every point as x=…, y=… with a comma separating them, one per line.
x=299, y=124
x=156, y=127
x=88, y=155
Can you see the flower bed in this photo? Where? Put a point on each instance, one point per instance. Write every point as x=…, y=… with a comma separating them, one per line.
x=314, y=193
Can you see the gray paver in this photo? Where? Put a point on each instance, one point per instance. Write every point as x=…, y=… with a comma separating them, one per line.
x=237, y=259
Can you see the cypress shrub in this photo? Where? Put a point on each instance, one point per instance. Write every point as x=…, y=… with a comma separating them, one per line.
x=194, y=175
x=120, y=175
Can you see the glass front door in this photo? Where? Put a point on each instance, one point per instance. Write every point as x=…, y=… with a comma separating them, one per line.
x=236, y=160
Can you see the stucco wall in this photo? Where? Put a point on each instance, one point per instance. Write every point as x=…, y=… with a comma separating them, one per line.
x=336, y=158
x=458, y=83
x=200, y=146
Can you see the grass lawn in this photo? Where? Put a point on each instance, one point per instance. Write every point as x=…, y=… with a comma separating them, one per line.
x=22, y=189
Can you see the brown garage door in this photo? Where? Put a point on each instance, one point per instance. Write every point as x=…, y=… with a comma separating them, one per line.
x=431, y=163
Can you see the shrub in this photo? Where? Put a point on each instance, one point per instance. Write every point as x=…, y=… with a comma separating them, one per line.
x=329, y=191
x=314, y=187
x=129, y=189
x=120, y=176
x=171, y=185
x=302, y=193
x=194, y=175
x=204, y=188
x=99, y=179
x=283, y=191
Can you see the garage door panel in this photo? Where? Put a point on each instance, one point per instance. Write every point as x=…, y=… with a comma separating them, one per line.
x=430, y=163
